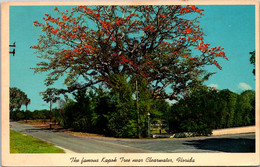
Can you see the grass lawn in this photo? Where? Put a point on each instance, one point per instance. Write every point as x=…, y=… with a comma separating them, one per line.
x=21, y=143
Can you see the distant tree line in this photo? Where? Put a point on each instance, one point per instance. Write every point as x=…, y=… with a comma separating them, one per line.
x=206, y=109
x=18, y=115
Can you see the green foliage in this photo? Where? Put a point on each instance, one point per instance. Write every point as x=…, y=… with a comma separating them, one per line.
x=207, y=109
x=77, y=115
x=121, y=110
x=102, y=106
x=28, y=115
x=41, y=114
x=18, y=115
x=122, y=121
x=118, y=125
x=113, y=111
x=246, y=108
x=17, y=99
x=192, y=113
x=69, y=114
x=50, y=95
x=57, y=115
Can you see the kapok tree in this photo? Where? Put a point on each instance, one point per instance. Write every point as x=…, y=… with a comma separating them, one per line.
x=163, y=44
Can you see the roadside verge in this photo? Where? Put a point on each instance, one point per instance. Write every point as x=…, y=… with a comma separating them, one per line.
x=231, y=131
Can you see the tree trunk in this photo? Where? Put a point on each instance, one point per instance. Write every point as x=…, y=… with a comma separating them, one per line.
x=50, y=113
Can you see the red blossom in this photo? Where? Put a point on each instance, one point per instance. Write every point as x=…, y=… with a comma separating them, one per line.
x=188, y=31
x=152, y=27
x=54, y=31
x=34, y=47
x=175, y=53
x=216, y=63
x=114, y=54
x=149, y=62
x=193, y=7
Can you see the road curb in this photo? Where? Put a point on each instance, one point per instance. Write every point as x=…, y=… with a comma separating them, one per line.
x=66, y=150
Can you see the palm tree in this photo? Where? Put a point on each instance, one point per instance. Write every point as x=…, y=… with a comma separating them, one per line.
x=26, y=102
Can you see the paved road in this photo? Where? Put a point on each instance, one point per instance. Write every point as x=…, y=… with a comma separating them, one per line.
x=235, y=143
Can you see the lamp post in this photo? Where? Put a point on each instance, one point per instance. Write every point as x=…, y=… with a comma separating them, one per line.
x=149, y=125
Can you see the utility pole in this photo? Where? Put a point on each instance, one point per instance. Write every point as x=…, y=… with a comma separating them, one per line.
x=149, y=125
x=137, y=110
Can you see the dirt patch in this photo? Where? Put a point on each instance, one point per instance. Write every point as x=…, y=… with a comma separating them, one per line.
x=42, y=124
x=58, y=128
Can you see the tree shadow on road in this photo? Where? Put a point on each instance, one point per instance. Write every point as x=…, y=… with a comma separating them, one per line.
x=239, y=145
x=36, y=130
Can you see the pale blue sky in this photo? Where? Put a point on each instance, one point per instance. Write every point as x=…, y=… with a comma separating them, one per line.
x=232, y=27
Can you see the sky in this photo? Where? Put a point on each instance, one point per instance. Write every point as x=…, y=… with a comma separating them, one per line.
x=229, y=26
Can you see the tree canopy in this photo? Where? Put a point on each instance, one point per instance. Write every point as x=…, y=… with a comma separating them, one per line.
x=163, y=44
x=50, y=95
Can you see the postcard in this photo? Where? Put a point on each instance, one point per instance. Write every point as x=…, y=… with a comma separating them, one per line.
x=130, y=83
